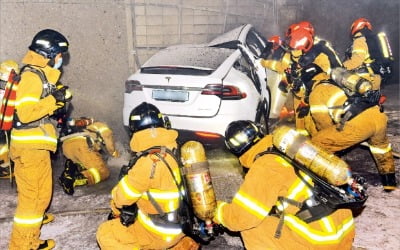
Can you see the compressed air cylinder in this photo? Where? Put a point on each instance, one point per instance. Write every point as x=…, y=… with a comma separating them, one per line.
x=300, y=149
x=198, y=178
x=278, y=97
x=351, y=81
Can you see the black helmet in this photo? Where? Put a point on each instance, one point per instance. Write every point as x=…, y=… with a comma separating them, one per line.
x=241, y=135
x=144, y=116
x=49, y=43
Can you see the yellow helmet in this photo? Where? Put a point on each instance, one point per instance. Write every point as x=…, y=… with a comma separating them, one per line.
x=6, y=67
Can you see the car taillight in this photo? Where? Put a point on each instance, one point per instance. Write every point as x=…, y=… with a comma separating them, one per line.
x=225, y=92
x=132, y=85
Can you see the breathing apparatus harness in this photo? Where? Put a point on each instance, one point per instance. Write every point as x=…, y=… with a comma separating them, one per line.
x=183, y=217
x=302, y=72
x=356, y=103
x=326, y=198
x=48, y=88
x=380, y=54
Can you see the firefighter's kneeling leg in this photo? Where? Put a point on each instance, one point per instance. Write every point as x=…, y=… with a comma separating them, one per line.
x=186, y=243
x=113, y=235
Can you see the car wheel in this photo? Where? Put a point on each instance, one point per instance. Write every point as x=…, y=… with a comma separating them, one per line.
x=262, y=117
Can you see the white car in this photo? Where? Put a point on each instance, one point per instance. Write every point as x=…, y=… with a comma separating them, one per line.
x=204, y=87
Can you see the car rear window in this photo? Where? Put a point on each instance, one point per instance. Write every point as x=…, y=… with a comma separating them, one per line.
x=195, y=58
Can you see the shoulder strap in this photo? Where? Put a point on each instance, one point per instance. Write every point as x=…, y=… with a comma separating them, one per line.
x=158, y=151
x=47, y=88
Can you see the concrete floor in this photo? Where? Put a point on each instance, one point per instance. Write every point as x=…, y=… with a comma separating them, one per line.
x=78, y=216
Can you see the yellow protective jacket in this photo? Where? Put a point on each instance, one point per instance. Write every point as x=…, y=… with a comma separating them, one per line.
x=326, y=106
x=83, y=148
x=250, y=211
x=360, y=59
x=100, y=136
x=150, y=174
x=278, y=65
x=323, y=60
x=31, y=106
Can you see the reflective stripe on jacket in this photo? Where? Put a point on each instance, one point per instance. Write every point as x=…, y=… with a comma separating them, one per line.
x=269, y=178
x=326, y=105
x=31, y=107
x=150, y=174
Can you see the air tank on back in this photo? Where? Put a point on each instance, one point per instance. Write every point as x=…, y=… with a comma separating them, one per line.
x=300, y=149
x=198, y=178
x=351, y=81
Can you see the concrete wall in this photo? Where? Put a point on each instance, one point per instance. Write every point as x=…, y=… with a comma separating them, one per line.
x=110, y=38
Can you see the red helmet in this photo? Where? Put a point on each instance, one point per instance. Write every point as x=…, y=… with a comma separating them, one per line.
x=275, y=40
x=290, y=29
x=359, y=24
x=301, y=40
x=306, y=25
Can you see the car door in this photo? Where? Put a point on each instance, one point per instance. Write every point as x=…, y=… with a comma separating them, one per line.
x=252, y=48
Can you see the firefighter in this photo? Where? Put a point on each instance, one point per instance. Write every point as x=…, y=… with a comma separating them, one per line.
x=358, y=54
x=82, y=145
x=5, y=163
x=311, y=64
x=33, y=136
x=309, y=47
x=338, y=118
x=344, y=120
x=272, y=188
x=150, y=183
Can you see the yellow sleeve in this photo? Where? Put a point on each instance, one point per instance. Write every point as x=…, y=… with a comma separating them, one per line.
x=130, y=188
x=255, y=197
x=277, y=65
x=107, y=135
x=359, y=54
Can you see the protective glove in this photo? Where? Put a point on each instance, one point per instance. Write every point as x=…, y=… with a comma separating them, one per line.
x=302, y=110
x=297, y=84
x=267, y=50
x=62, y=95
x=283, y=86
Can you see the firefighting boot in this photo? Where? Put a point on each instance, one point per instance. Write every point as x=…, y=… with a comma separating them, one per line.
x=47, y=218
x=67, y=179
x=70, y=168
x=388, y=182
x=80, y=180
x=6, y=171
x=47, y=244
x=67, y=183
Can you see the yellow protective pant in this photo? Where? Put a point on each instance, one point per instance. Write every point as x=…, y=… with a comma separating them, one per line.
x=113, y=235
x=369, y=126
x=78, y=151
x=33, y=175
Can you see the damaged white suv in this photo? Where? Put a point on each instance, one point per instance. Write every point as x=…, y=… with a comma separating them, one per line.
x=204, y=87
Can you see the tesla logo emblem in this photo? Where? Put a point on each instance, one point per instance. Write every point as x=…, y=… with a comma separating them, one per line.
x=168, y=78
